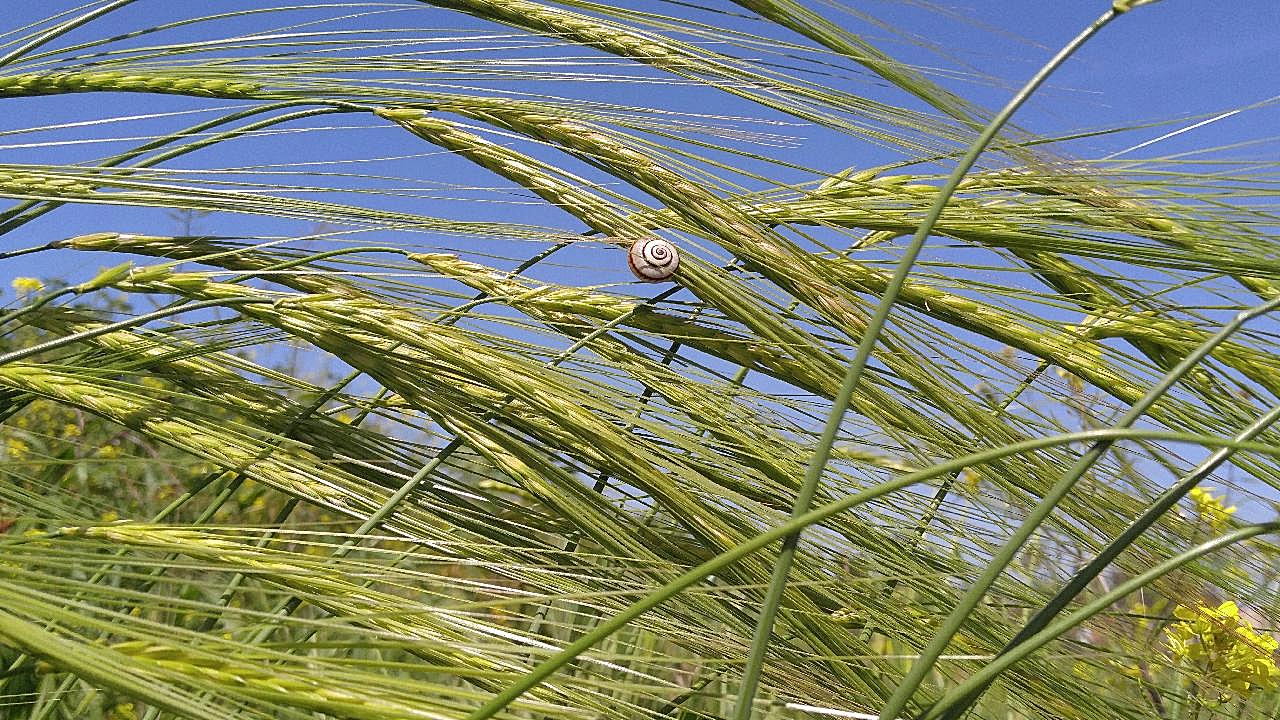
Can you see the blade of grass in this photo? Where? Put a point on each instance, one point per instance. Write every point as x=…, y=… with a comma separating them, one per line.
x=1001, y=559
x=1084, y=576
x=718, y=563
x=782, y=567
x=988, y=673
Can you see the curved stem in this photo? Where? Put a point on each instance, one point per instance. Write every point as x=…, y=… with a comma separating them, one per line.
x=983, y=677
x=27, y=211
x=782, y=568
x=123, y=324
x=1084, y=576
x=717, y=564
x=304, y=260
x=35, y=305
x=1001, y=558
x=55, y=32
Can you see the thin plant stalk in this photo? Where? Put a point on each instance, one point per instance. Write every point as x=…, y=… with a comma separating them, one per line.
x=1081, y=579
x=821, y=454
x=1000, y=560
x=24, y=353
x=824, y=512
x=58, y=31
x=975, y=682
x=29, y=210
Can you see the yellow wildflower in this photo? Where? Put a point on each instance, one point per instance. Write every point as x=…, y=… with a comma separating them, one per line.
x=15, y=447
x=26, y=285
x=1212, y=509
x=1224, y=649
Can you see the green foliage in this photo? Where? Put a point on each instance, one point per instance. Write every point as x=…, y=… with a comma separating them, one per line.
x=338, y=457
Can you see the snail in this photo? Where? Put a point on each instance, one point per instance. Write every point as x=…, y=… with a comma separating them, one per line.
x=653, y=259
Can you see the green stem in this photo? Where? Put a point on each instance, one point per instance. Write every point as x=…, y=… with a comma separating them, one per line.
x=988, y=673
x=36, y=641
x=782, y=567
x=304, y=260
x=717, y=564
x=64, y=341
x=1127, y=537
x=36, y=304
x=58, y=31
x=1001, y=559
x=29, y=210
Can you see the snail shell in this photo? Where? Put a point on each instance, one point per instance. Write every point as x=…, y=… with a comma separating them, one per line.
x=653, y=259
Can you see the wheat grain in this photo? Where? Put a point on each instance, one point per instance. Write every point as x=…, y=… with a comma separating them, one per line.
x=78, y=82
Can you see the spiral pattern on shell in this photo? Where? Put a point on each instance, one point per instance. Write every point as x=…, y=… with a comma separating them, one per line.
x=653, y=259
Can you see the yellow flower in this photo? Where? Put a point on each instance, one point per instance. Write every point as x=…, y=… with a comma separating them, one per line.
x=1212, y=509
x=1225, y=650
x=15, y=447
x=26, y=285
